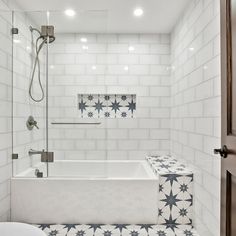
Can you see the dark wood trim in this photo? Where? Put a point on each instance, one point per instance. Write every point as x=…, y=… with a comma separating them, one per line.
x=228, y=119
x=224, y=108
x=228, y=203
x=229, y=66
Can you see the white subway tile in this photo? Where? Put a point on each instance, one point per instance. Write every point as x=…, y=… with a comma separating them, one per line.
x=117, y=48
x=85, y=59
x=117, y=134
x=85, y=145
x=160, y=134
x=128, y=145
x=204, y=55
x=205, y=90
x=128, y=59
x=204, y=126
x=128, y=38
x=159, y=113
x=160, y=91
x=152, y=59
x=139, y=69
x=138, y=134
x=64, y=59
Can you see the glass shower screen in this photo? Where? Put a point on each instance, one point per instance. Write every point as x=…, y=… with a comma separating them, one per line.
x=77, y=85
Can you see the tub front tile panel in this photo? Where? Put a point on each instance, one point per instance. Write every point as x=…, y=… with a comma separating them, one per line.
x=175, y=202
x=106, y=105
x=117, y=230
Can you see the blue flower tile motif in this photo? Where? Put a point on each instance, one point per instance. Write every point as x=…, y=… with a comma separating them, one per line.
x=124, y=97
x=106, y=105
x=107, y=97
x=90, y=97
x=90, y=114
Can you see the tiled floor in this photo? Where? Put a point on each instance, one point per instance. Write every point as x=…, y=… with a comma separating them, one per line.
x=117, y=230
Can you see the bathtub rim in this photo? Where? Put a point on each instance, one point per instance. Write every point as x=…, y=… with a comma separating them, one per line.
x=150, y=173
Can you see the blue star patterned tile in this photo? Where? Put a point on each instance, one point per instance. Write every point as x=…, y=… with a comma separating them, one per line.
x=107, y=105
x=174, y=212
x=81, y=230
x=119, y=230
x=175, y=197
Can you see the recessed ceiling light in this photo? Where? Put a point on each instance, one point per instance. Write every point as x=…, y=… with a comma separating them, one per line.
x=70, y=12
x=52, y=67
x=126, y=68
x=94, y=67
x=191, y=49
x=83, y=40
x=138, y=12
x=131, y=48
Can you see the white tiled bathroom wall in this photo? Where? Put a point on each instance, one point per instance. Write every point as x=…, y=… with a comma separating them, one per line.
x=195, y=106
x=5, y=111
x=110, y=64
x=195, y=110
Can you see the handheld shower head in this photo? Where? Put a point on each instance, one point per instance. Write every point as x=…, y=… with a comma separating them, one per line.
x=47, y=31
x=47, y=36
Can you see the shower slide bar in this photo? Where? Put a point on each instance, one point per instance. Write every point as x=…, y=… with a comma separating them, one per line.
x=76, y=123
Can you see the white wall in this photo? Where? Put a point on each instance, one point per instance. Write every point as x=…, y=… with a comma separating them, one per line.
x=195, y=111
x=5, y=111
x=148, y=76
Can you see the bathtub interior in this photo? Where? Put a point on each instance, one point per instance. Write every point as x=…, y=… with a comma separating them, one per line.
x=93, y=170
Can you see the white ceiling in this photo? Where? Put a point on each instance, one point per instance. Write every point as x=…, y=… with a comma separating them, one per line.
x=107, y=16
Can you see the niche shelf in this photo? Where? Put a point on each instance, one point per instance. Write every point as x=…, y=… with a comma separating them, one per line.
x=107, y=105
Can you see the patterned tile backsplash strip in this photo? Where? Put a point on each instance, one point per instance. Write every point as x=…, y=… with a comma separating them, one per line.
x=107, y=105
x=175, y=198
x=117, y=230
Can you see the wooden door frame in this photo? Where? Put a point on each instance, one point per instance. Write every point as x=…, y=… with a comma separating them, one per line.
x=227, y=134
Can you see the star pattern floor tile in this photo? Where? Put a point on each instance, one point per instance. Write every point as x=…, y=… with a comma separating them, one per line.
x=117, y=230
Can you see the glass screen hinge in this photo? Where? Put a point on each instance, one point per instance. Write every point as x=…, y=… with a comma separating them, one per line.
x=14, y=156
x=47, y=157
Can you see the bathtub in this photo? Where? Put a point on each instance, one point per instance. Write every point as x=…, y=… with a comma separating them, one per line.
x=95, y=192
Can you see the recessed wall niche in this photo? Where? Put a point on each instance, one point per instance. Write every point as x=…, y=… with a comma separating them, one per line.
x=107, y=105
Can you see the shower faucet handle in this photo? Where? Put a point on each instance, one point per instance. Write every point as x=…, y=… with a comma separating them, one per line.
x=35, y=124
x=31, y=123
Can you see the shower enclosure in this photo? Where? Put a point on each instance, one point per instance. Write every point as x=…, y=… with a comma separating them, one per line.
x=49, y=81
x=88, y=107
x=78, y=101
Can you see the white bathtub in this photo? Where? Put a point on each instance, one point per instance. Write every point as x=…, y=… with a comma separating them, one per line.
x=95, y=192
